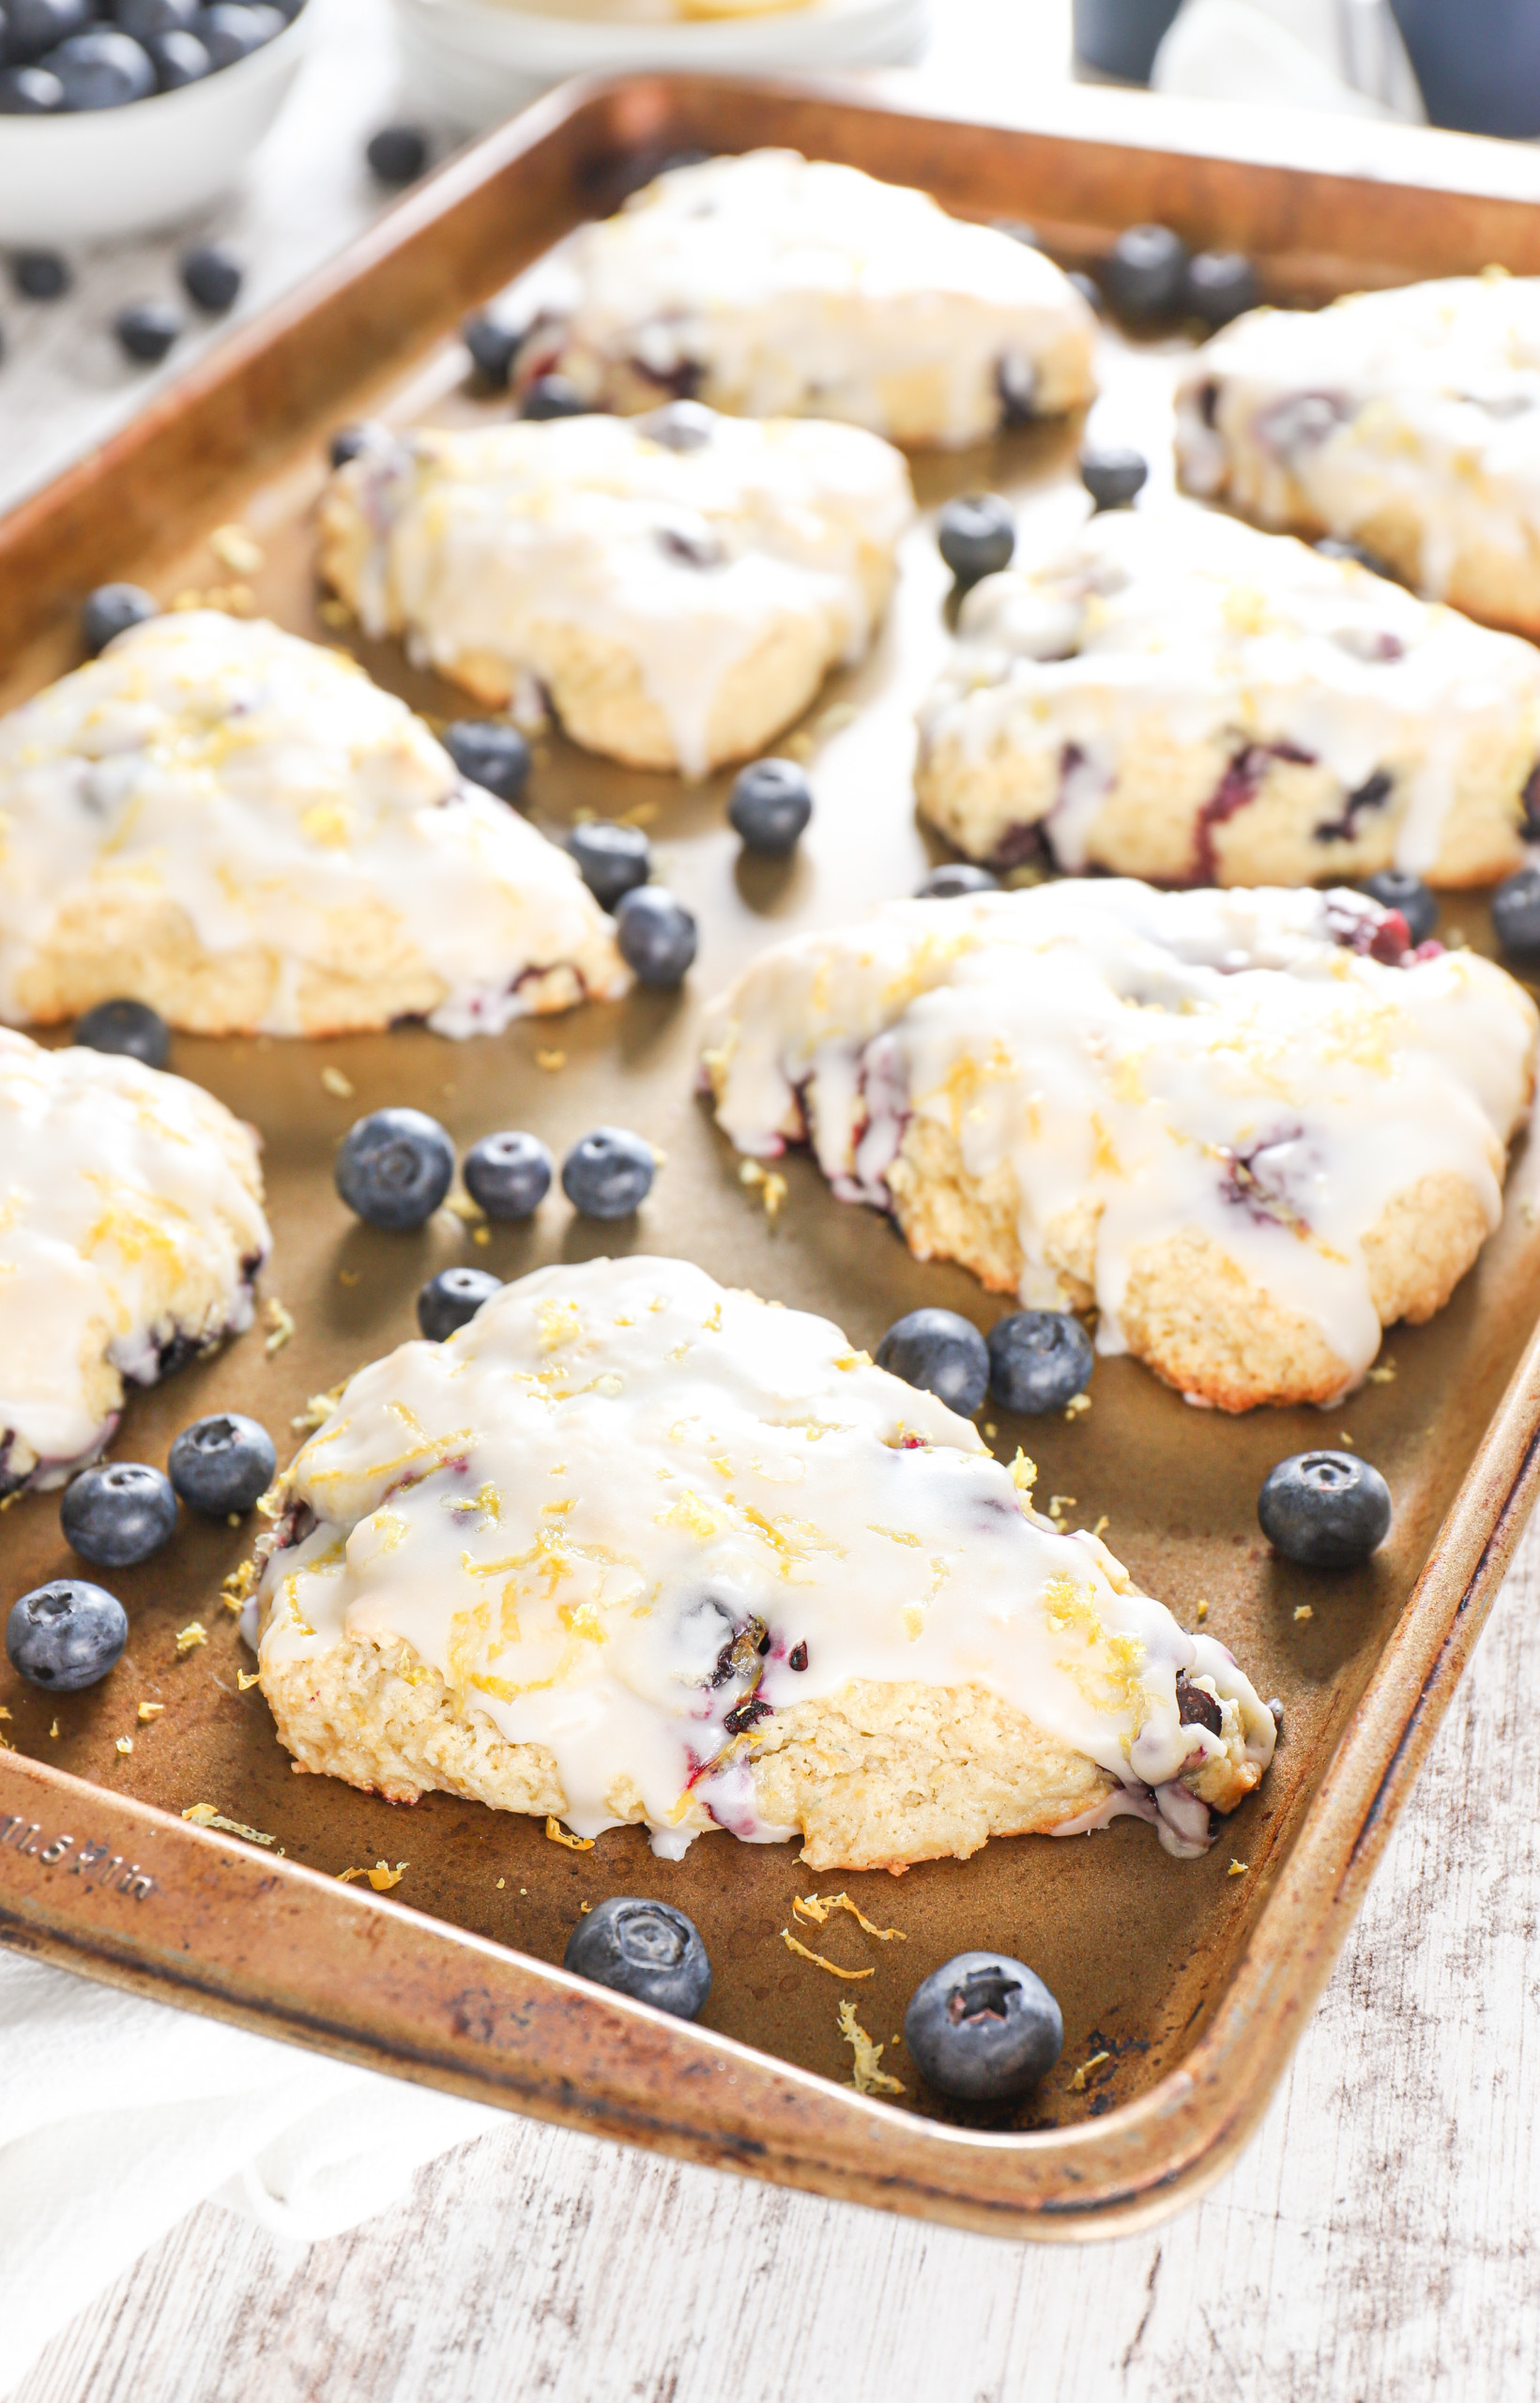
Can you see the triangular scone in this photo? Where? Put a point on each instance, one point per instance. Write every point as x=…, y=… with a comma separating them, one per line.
x=1174, y=696
x=677, y=586
x=131, y=1232
x=238, y=827
x=1251, y=1127
x=773, y=285
x=632, y=1547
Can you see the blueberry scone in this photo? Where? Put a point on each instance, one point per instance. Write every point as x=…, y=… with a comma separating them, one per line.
x=1250, y=1128
x=633, y=1548
x=131, y=1232
x=774, y=285
x=238, y=827
x=1407, y=421
x=678, y=586
x=1176, y=696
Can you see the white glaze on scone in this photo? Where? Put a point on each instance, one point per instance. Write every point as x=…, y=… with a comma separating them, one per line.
x=236, y=826
x=630, y=1518
x=1126, y=1077
x=130, y=1230
x=1176, y=695
x=680, y=584
x=773, y=285
x=1406, y=419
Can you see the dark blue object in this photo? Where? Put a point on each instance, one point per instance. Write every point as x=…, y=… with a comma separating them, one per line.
x=232, y=29
x=67, y=1635
x=1114, y=475
x=131, y=1028
x=612, y=859
x=976, y=535
x=1478, y=64
x=146, y=329
x=490, y=752
x=551, y=396
x=941, y=1354
x=1090, y=290
x=1396, y=888
x=30, y=91
x=34, y=26
x=112, y=609
x=984, y=2028
x=397, y=153
x=649, y=1950
x=1325, y=1510
x=509, y=1176
x=1145, y=271
x=179, y=59
x=656, y=936
x=212, y=276
x=101, y=69
x=1038, y=1360
x=41, y=275
x=1122, y=37
x=147, y=19
x=493, y=346
x=609, y=1173
x=223, y=1464
x=1220, y=285
x=394, y=1167
x=1516, y=913
x=770, y=805
x=955, y=878
x=351, y=441
x=451, y=1299
x=118, y=1513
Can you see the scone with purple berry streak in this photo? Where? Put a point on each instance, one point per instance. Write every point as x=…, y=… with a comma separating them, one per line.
x=632, y=1548
x=677, y=585
x=1176, y=696
x=774, y=285
x=131, y=1232
x=1250, y=1128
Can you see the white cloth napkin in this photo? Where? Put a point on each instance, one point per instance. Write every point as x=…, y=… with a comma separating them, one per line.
x=1345, y=56
x=119, y=2116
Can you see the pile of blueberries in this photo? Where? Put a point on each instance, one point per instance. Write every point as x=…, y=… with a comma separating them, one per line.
x=62, y=55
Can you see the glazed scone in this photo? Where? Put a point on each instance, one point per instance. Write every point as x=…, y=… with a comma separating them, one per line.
x=1176, y=696
x=679, y=585
x=238, y=827
x=1252, y=1128
x=632, y=1547
x=773, y=285
x=1407, y=421
x=131, y=1232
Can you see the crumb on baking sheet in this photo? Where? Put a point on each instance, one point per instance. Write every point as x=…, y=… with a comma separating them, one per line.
x=460, y=1206
x=347, y=1275
x=317, y=1410
x=1383, y=1373
x=1237, y=1869
x=125, y=1744
x=1077, y=1407
x=558, y=1834
x=821, y=1907
x=334, y=612
x=382, y=1877
x=247, y=1679
x=280, y=1326
x=990, y=1429
x=818, y=1959
x=190, y=1637
x=550, y=1060
x=1057, y=1504
x=1101, y=1527
x=334, y=1081
x=53, y=1729
x=345, y=1876
x=235, y=1592
x=148, y=1710
x=205, y=1815
x=1303, y=1610
x=235, y=548
x=868, y=2075
x=1078, y=2083
x=770, y=1184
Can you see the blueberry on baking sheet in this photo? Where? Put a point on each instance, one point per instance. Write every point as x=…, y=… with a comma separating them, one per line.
x=394, y=1167
x=41, y=275
x=397, y=155
x=212, y=274
x=67, y=1635
x=1219, y=285
x=649, y=1950
x=1038, y=1360
x=656, y=936
x=1325, y=1509
x=507, y=1174
x=955, y=878
x=101, y=69
x=942, y=1354
x=451, y=1299
x=490, y=752
x=493, y=345
x=146, y=330
x=111, y=609
x=1145, y=271
x=976, y=535
x=1516, y=914
x=770, y=805
x=609, y=1173
x=129, y=1028
x=1396, y=888
x=984, y=2028
x=612, y=859
x=551, y=396
x=1113, y=474
x=222, y=1464
x=117, y=1514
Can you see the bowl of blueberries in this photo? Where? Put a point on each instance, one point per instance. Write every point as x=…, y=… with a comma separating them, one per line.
x=119, y=116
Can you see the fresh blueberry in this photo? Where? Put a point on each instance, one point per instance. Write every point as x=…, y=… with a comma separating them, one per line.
x=493, y=345
x=1090, y=290
x=941, y=1354
x=1516, y=913
x=612, y=859
x=1396, y=888
x=179, y=59
x=117, y=1514
x=147, y=19
x=41, y=275
x=649, y=1950
x=609, y=1173
x=232, y=29
x=984, y=2028
x=770, y=803
x=657, y=935
x=1219, y=285
x=131, y=1028
x=67, y=1635
x=394, y=1167
x=976, y=536
x=509, y=1176
x=352, y=441
x=1038, y=1360
x=397, y=153
x=552, y=397
x=30, y=91
x=1114, y=476
x=34, y=26
x=490, y=752
x=222, y=1465
x=451, y=1300
x=1145, y=271
x=146, y=330
x=955, y=878
x=112, y=609
x=101, y=69
x=212, y=276
x=1326, y=1510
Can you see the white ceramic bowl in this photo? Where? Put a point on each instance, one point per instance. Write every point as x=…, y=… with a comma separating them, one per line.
x=478, y=62
x=97, y=173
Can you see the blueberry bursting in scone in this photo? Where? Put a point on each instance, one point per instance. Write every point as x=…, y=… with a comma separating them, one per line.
x=1407, y=421
x=131, y=1232
x=633, y=1548
x=773, y=285
x=1175, y=696
x=238, y=828
x=677, y=585
x=1250, y=1128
